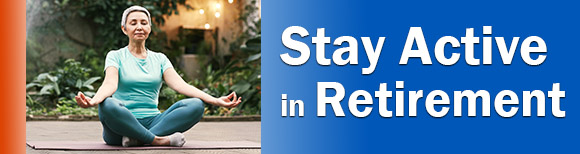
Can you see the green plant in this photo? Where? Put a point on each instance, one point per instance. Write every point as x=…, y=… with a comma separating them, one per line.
x=240, y=75
x=33, y=106
x=64, y=82
x=48, y=84
x=65, y=106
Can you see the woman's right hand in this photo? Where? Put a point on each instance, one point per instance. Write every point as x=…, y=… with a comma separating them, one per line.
x=84, y=101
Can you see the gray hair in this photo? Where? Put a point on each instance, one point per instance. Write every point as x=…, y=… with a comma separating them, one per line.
x=133, y=9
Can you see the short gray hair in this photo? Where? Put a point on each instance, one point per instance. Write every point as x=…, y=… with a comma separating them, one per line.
x=133, y=9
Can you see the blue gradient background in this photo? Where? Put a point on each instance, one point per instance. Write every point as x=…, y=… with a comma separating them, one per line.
x=557, y=23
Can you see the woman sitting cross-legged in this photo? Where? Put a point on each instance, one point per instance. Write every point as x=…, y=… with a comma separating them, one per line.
x=127, y=99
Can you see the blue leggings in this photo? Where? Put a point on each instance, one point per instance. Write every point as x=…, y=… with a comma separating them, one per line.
x=118, y=121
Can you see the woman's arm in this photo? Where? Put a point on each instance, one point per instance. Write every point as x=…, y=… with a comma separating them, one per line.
x=175, y=82
x=109, y=85
x=107, y=89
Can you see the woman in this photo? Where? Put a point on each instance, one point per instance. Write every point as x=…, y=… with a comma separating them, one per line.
x=133, y=77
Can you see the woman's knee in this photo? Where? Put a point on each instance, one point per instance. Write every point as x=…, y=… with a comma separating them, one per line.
x=109, y=106
x=195, y=104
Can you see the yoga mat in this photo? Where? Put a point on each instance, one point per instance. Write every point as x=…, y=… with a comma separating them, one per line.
x=99, y=145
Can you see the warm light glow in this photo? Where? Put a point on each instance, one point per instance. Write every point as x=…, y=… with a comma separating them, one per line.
x=230, y=1
x=206, y=26
x=218, y=5
x=201, y=11
x=217, y=14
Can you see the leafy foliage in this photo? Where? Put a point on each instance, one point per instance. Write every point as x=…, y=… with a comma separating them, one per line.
x=64, y=82
x=242, y=75
x=64, y=107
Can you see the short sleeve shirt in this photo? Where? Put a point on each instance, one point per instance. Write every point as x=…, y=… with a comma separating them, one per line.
x=139, y=80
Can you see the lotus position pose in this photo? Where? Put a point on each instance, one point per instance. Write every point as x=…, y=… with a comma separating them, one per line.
x=127, y=99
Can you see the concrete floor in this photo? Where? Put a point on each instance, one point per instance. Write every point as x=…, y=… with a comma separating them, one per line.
x=91, y=131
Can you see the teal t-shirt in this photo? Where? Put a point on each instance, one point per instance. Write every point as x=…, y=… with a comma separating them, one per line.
x=139, y=80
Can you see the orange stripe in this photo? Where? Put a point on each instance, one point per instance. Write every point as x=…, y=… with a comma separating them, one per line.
x=13, y=78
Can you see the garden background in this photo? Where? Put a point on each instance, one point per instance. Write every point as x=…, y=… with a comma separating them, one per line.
x=213, y=45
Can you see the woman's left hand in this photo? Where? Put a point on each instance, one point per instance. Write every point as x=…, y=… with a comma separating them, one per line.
x=228, y=101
